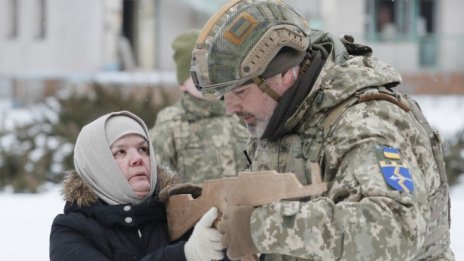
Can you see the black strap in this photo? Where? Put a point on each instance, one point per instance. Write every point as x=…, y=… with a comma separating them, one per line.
x=293, y=97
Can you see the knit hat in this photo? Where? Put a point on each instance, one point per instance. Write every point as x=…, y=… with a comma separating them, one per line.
x=183, y=46
x=95, y=163
x=121, y=125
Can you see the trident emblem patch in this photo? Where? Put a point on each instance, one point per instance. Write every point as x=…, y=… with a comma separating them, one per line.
x=396, y=174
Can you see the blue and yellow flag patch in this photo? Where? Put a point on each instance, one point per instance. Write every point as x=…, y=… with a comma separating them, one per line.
x=391, y=153
x=396, y=174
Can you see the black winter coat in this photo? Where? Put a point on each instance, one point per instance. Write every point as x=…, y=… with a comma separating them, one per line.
x=92, y=230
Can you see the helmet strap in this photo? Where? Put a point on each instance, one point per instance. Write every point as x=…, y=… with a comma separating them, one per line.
x=262, y=84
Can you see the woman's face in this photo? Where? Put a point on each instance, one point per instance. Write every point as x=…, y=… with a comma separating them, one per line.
x=132, y=155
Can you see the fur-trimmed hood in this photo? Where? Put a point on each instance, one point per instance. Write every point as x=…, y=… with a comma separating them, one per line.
x=75, y=189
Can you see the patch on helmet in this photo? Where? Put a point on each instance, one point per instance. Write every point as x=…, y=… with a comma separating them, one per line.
x=240, y=28
x=394, y=171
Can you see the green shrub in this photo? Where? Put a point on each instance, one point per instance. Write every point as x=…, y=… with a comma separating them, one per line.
x=454, y=157
x=41, y=150
x=24, y=162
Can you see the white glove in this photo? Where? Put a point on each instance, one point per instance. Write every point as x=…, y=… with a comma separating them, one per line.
x=205, y=241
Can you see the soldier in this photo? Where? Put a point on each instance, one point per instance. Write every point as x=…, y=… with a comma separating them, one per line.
x=194, y=136
x=324, y=108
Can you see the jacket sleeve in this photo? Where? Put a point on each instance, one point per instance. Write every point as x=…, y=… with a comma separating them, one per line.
x=171, y=252
x=71, y=245
x=360, y=217
x=67, y=244
x=163, y=140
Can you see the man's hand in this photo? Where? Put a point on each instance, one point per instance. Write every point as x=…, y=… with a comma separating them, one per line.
x=180, y=188
x=235, y=229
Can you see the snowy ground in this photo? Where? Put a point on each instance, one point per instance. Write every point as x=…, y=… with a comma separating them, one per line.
x=25, y=219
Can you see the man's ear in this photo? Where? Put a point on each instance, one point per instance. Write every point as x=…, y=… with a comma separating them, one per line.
x=290, y=76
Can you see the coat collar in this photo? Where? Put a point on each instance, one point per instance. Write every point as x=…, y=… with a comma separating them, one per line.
x=338, y=82
x=76, y=191
x=81, y=199
x=199, y=109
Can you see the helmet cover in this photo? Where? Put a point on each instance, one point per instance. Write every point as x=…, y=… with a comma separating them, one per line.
x=240, y=41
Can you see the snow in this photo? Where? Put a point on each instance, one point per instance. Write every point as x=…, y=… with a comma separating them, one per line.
x=457, y=218
x=442, y=112
x=26, y=218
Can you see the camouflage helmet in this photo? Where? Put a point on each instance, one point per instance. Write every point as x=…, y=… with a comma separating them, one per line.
x=239, y=42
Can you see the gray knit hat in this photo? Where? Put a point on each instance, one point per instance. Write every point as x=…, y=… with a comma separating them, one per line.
x=121, y=125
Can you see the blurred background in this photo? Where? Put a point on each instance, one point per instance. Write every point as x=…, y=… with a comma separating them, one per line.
x=65, y=62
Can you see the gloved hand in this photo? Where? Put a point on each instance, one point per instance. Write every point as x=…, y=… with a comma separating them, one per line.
x=180, y=188
x=235, y=229
x=205, y=241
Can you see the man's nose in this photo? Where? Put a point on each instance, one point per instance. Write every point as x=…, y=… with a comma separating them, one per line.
x=232, y=103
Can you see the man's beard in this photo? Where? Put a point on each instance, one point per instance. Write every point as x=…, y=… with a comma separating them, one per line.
x=257, y=129
x=262, y=118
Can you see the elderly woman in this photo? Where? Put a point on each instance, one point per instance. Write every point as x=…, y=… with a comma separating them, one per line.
x=112, y=209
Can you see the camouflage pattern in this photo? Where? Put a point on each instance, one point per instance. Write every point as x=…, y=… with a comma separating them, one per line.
x=360, y=217
x=284, y=156
x=221, y=58
x=196, y=138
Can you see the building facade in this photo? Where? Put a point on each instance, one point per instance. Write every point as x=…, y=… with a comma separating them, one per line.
x=45, y=40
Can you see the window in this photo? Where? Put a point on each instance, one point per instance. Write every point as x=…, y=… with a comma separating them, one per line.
x=40, y=19
x=426, y=33
x=12, y=20
x=404, y=20
x=392, y=20
x=427, y=16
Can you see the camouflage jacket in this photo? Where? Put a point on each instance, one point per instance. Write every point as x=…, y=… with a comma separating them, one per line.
x=197, y=139
x=387, y=198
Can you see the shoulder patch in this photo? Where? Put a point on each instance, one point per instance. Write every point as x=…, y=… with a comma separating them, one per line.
x=394, y=171
x=391, y=153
